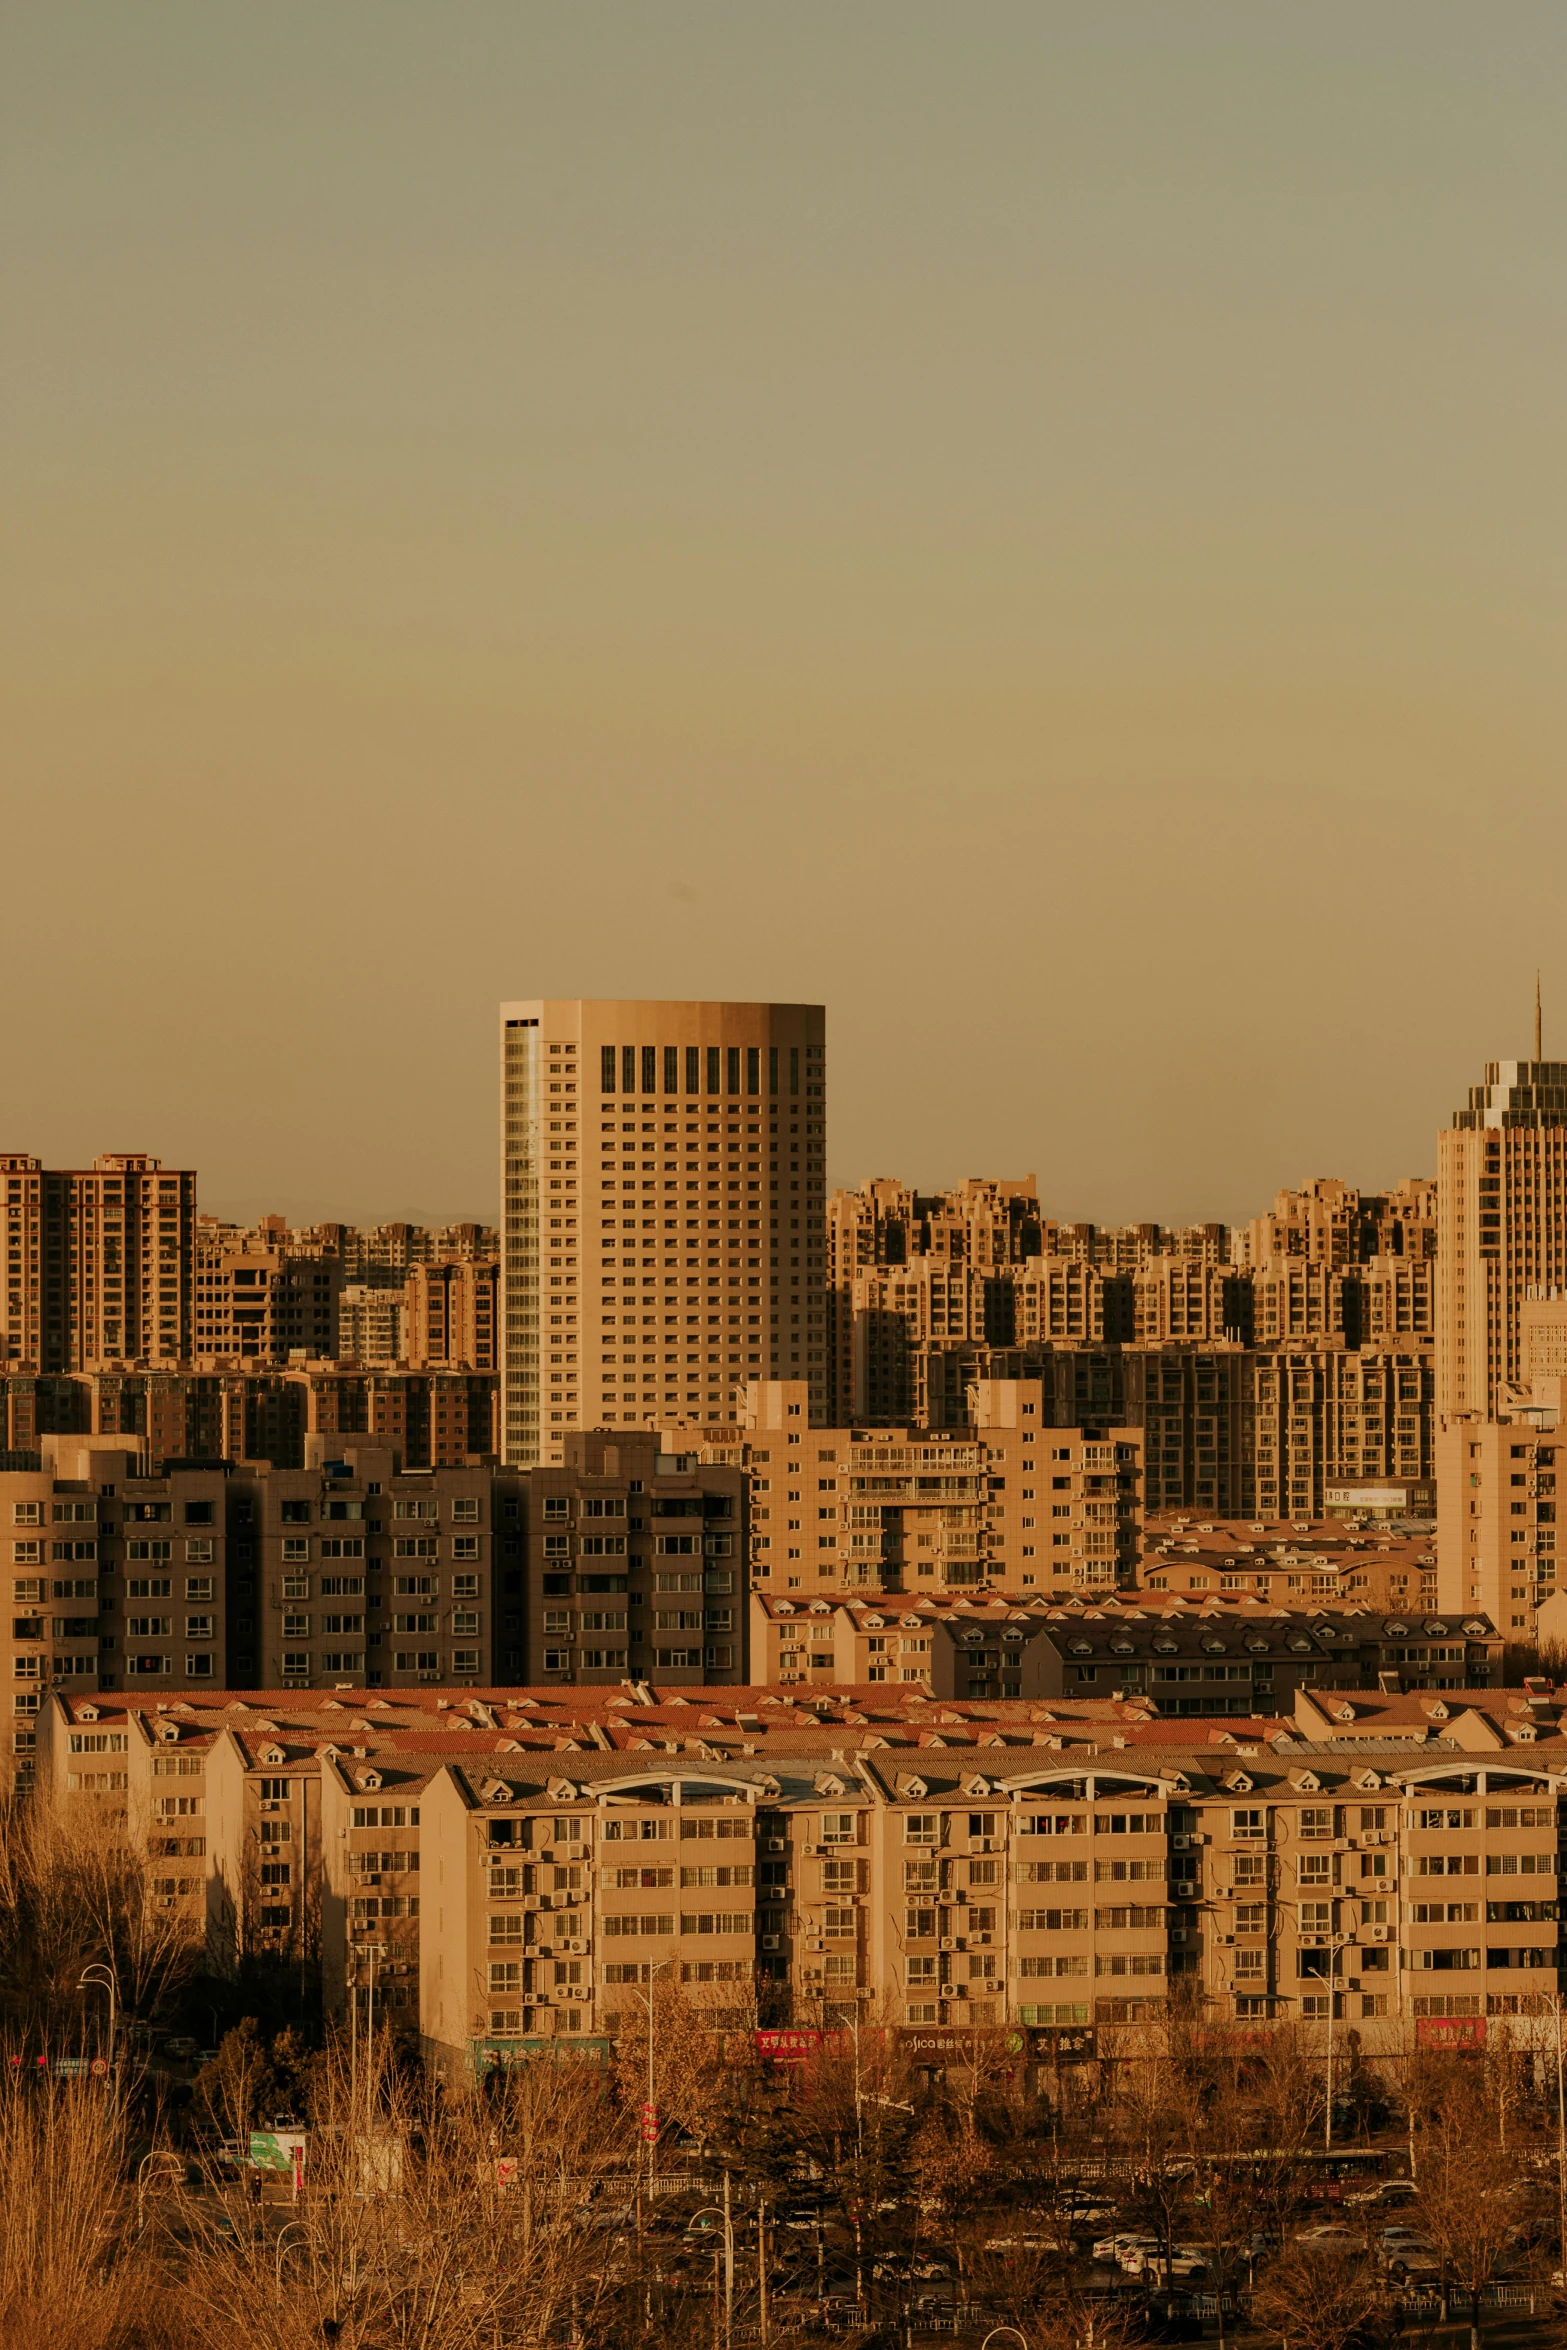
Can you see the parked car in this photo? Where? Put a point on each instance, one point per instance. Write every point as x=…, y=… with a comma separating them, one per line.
x=1403, y=2253
x=1186, y=2261
x=1385, y=2192
x=1333, y=2233
x=1028, y=2244
x=1111, y=2248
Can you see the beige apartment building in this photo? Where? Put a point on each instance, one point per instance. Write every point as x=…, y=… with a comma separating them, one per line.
x=1338, y=1561
x=115, y=1578
x=663, y=1184
x=861, y=1852
x=927, y=1886
x=99, y=1263
x=636, y=1566
x=1011, y=1501
x=256, y=1303
x=1209, y=1656
x=451, y=1313
x=1502, y=1203
x=367, y=1574
x=1496, y=1512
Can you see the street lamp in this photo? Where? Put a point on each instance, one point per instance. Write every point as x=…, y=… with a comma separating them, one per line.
x=650, y=2109
x=102, y=1976
x=293, y=2228
x=159, y=2160
x=723, y=2214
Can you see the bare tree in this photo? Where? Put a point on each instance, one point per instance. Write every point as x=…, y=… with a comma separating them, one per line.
x=1318, y=2299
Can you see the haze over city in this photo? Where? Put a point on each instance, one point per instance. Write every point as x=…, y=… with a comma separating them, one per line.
x=1040, y=531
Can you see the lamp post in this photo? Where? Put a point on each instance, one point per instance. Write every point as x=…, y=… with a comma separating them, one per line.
x=158, y=2160
x=101, y=1975
x=1561, y=2142
x=649, y=2112
x=294, y=2227
x=724, y=2216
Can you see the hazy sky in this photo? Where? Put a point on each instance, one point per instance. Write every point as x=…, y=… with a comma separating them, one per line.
x=1041, y=527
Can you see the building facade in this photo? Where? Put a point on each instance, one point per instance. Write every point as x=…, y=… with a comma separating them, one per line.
x=636, y=1567
x=1502, y=1214
x=663, y=1210
x=99, y=1263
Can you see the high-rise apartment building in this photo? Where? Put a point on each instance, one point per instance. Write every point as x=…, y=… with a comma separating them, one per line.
x=256, y=1300
x=1502, y=1219
x=98, y=1263
x=663, y=1185
x=1496, y=1513
x=450, y=1315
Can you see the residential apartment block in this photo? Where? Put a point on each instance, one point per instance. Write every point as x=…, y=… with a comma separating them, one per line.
x=868, y=1852
x=1502, y=1210
x=1009, y=1502
x=1209, y=1657
x=98, y=1263
x=1335, y=1561
x=636, y=1567
x=262, y=1304
x=663, y=1184
x=112, y=1575
x=1496, y=1489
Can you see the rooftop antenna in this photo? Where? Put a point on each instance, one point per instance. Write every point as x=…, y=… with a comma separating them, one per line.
x=1537, y=1054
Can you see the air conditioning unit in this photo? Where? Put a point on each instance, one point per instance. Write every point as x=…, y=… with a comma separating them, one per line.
x=957, y=1990
x=777, y=1844
x=534, y=1901
x=817, y=1942
x=1184, y=1891
x=1379, y=1933
x=772, y=1941
x=1313, y=1941
x=1183, y=1843
x=577, y=1949
x=1178, y=1934
x=947, y=1942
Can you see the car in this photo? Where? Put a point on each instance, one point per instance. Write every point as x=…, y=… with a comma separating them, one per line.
x=1385, y=2192
x=1331, y=2233
x=1404, y=2254
x=1186, y=2263
x=181, y=2048
x=1110, y=2248
x=1028, y=2244
x=809, y=2220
